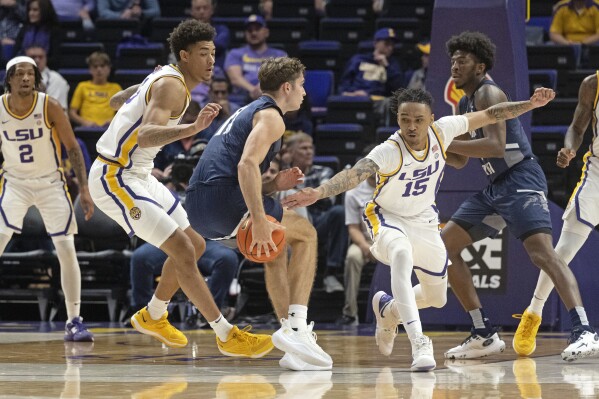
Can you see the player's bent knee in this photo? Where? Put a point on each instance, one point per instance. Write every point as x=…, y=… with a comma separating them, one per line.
x=180, y=247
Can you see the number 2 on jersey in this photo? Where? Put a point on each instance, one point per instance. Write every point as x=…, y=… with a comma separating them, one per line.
x=25, y=152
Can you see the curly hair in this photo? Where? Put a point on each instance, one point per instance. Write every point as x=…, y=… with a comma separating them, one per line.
x=476, y=43
x=37, y=84
x=188, y=33
x=276, y=71
x=403, y=95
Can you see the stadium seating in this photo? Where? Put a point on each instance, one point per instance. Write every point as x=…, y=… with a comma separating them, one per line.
x=319, y=85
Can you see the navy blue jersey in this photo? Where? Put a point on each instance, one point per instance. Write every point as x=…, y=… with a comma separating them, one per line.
x=517, y=146
x=218, y=163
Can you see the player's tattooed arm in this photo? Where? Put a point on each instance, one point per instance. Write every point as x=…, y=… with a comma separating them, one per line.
x=122, y=96
x=509, y=110
x=503, y=111
x=76, y=158
x=157, y=136
x=348, y=178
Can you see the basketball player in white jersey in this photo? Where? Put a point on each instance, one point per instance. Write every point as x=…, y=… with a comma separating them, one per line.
x=580, y=217
x=33, y=127
x=402, y=218
x=124, y=188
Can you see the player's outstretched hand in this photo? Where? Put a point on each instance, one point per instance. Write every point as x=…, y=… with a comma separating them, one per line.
x=564, y=156
x=207, y=115
x=87, y=204
x=304, y=197
x=288, y=178
x=541, y=97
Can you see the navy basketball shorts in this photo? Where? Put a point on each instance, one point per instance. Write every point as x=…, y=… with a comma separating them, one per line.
x=216, y=211
x=518, y=200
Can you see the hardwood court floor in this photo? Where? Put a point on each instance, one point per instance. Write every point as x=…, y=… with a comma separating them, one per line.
x=36, y=363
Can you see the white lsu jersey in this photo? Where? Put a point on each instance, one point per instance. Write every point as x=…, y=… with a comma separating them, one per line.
x=30, y=145
x=408, y=180
x=119, y=143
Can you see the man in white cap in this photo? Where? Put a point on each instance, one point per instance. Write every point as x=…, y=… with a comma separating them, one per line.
x=33, y=127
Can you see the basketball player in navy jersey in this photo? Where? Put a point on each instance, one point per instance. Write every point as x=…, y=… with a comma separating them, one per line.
x=516, y=197
x=33, y=127
x=226, y=187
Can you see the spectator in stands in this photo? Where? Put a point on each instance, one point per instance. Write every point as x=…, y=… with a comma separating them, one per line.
x=272, y=171
x=300, y=120
x=376, y=74
x=265, y=7
x=202, y=10
x=129, y=9
x=327, y=218
x=11, y=20
x=219, y=93
x=417, y=81
x=358, y=253
x=55, y=85
x=378, y=6
x=90, y=105
x=575, y=22
x=320, y=7
x=41, y=28
x=73, y=10
x=242, y=64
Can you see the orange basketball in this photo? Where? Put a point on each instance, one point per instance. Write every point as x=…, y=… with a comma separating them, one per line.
x=244, y=240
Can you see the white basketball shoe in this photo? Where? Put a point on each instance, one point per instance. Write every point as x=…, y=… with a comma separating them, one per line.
x=301, y=344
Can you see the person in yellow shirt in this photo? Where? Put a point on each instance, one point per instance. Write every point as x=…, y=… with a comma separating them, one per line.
x=90, y=105
x=575, y=21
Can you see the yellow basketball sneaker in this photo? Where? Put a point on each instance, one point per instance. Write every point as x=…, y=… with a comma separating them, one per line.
x=241, y=343
x=524, y=341
x=160, y=329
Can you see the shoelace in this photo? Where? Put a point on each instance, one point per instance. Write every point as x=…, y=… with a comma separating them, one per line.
x=78, y=325
x=244, y=335
x=527, y=324
x=311, y=331
x=575, y=334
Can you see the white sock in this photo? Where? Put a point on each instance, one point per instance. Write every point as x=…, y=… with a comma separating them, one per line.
x=157, y=307
x=70, y=274
x=298, y=316
x=221, y=327
x=413, y=329
x=536, y=304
